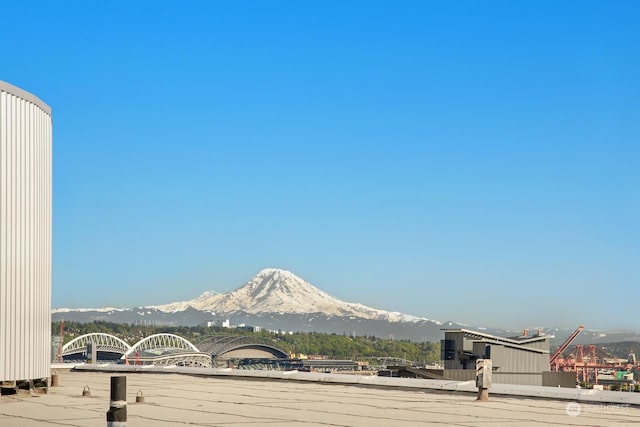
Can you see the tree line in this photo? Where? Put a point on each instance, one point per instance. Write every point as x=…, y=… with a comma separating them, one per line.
x=334, y=346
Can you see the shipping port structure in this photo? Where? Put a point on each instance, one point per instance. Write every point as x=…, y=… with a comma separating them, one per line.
x=594, y=367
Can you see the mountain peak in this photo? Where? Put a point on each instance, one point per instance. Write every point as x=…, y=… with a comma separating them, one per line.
x=272, y=271
x=277, y=274
x=274, y=290
x=206, y=295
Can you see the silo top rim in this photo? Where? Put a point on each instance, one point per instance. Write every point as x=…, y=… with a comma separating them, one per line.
x=14, y=90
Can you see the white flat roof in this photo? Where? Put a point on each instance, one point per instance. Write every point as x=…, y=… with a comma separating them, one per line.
x=172, y=399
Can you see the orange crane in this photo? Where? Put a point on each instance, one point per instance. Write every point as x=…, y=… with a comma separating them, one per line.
x=563, y=347
x=587, y=367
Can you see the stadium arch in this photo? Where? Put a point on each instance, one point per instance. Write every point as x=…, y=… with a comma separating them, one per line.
x=109, y=347
x=166, y=350
x=223, y=347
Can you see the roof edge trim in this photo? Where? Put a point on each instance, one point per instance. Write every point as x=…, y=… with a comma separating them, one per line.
x=481, y=335
x=15, y=90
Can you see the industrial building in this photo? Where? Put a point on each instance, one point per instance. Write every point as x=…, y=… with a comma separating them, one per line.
x=25, y=236
x=516, y=360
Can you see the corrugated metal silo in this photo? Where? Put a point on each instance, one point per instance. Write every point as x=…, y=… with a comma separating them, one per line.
x=25, y=235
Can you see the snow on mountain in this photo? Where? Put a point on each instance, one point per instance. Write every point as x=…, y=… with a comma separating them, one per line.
x=85, y=310
x=202, y=303
x=282, y=292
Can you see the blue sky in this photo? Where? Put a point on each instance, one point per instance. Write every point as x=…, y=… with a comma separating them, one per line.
x=471, y=161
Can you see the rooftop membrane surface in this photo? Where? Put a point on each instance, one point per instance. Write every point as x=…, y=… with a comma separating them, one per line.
x=186, y=400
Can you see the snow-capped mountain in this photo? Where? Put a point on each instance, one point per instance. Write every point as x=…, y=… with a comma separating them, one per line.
x=279, y=291
x=279, y=300
x=276, y=300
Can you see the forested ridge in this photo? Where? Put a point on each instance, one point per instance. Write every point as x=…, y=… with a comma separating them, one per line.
x=333, y=346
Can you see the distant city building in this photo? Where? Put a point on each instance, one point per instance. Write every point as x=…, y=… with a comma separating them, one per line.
x=25, y=235
x=227, y=324
x=56, y=342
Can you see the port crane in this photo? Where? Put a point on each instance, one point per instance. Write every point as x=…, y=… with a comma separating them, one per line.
x=555, y=356
x=587, y=365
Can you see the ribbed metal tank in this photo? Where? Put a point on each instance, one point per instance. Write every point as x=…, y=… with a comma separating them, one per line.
x=25, y=235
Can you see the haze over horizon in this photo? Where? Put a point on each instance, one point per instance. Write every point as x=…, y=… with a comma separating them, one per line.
x=465, y=161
